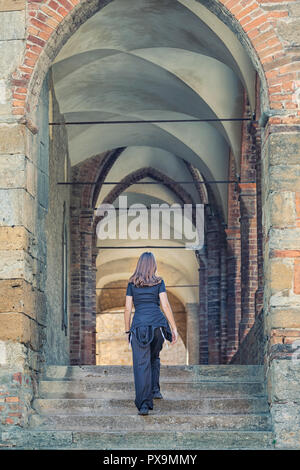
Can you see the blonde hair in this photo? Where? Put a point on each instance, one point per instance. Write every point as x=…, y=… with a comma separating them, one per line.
x=144, y=274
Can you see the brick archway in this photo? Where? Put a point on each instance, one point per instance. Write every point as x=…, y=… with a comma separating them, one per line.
x=221, y=336
x=82, y=340
x=52, y=22
x=84, y=250
x=110, y=299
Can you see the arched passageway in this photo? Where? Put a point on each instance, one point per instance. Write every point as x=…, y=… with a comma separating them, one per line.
x=111, y=346
x=129, y=88
x=181, y=59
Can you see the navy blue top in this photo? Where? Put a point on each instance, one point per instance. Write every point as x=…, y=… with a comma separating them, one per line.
x=147, y=306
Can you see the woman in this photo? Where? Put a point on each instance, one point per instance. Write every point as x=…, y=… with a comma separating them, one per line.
x=149, y=329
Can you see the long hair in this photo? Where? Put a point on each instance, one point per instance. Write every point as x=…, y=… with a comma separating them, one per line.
x=144, y=274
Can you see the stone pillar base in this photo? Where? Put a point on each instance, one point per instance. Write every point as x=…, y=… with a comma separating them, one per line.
x=18, y=383
x=284, y=398
x=192, y=312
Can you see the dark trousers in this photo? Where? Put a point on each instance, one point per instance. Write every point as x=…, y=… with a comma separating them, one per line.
x=146, y=364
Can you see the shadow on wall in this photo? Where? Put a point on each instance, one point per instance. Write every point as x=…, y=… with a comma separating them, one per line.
x=252, y=348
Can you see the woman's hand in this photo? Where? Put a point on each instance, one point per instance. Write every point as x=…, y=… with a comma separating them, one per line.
x=174, y=336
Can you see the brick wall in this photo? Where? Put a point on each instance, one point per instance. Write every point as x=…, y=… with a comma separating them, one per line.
x=248, y=224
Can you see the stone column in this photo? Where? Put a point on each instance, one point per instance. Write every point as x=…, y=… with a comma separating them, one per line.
x=192, y=332
x=281, y=216
x=22, y=305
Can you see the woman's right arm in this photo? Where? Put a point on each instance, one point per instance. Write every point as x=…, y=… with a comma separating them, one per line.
x=165, y=304
x=127, y=311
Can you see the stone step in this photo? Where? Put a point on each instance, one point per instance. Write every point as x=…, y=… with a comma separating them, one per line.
x=113, y=406
x=214, y=407
x=146, y=440
x=172, y=389
x=151, y=422
x=103, y=389
x=231, y=373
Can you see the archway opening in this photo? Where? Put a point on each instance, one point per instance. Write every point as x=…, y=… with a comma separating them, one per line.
x=111, y=346
x=121, y=98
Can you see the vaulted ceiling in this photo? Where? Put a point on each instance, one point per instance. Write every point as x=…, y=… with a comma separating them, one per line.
x=156, y=60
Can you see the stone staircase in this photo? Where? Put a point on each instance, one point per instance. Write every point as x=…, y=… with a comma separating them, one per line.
x=204, y=407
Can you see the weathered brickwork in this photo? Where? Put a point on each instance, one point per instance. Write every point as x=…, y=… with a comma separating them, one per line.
x=16, y=393
x=248, y=227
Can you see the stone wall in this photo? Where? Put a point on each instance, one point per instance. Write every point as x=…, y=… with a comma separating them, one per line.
x=18, y=382
x=281, y=168
x=30, y=277
x=282, y=235
x=21, y=318
x=284, y=398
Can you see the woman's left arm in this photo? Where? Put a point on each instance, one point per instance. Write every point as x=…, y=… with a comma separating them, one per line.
x=127, y=311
